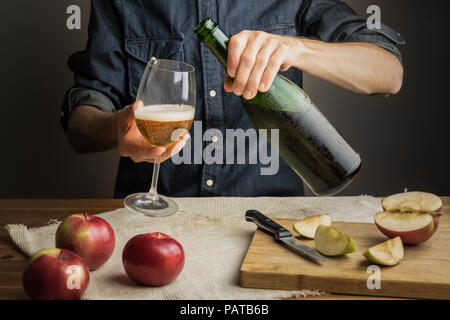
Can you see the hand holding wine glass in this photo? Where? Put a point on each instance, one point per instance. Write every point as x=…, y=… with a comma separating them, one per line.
x=133, y=144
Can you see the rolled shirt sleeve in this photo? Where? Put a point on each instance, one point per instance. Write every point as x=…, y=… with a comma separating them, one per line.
x=78, y=96
x=335, y=21
x=100, y=70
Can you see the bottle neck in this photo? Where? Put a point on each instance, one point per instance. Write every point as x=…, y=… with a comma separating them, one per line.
x=214, y=38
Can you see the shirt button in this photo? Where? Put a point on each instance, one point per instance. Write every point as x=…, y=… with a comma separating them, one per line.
x=209, y=183
x=213, y=138
x=212, y=93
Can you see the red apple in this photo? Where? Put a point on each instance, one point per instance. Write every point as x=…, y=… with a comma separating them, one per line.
x=153, y=259
x=55, y=274
x=412, y=201
x=91, y=237
x=411, y=227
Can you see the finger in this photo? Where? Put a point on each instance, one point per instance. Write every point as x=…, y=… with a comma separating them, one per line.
x=254, y=80
x=149, y=153
x=179, y=134
x=236, y=46
x=272, y=68
x=246, y=64
x=187, y=136
x=136, y=143
x=228, y=84
x=172, y=151
x=284, y=67
x=159, y=153
x=140, y=150
x=177, y=148
x=140, y=160
x=138, y=104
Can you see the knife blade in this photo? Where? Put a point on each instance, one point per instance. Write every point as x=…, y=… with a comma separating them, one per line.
x=282, y=234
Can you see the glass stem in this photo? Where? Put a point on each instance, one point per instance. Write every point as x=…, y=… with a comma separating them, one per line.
x=153, y=193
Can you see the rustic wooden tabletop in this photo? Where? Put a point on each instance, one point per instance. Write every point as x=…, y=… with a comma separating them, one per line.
x=36, y=212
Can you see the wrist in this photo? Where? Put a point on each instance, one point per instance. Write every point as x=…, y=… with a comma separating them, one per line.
x=114, y=119
x=303, y=53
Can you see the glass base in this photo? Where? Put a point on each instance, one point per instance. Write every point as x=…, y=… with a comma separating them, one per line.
x=142, y=203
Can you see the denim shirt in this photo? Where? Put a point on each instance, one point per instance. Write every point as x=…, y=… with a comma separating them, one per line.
x=124, y=35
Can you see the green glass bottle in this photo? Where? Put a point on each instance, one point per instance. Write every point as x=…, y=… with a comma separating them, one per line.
x=308, y=143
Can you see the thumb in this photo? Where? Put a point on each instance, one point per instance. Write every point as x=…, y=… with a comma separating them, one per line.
x=132, y=108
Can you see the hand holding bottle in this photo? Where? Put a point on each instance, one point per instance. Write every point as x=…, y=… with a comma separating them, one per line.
x=255, y=58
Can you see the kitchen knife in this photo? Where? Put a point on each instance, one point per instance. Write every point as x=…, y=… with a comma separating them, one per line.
x=285, y=236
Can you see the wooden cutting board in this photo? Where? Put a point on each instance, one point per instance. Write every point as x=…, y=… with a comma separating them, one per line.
x=423, y=273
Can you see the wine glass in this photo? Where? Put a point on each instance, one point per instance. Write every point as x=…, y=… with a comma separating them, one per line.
x=164, y=112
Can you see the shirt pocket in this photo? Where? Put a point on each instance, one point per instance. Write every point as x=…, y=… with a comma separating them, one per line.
x=140, y=51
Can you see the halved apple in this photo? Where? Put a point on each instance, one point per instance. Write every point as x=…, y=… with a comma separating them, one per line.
x=332, y=242
x=412, y=201
x=308, y=226
x=387, y=253
x=411, y=227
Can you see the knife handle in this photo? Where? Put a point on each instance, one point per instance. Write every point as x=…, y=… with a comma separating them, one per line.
x=266, y=224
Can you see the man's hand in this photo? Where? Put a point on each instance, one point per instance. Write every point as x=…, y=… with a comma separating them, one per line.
x=92, y=130
x=254, y=59
x=132, y=144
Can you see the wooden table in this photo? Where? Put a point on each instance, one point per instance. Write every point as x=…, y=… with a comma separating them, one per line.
x=35, y=213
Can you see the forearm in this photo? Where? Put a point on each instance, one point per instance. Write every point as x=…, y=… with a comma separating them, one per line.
x=92, y=130
x=359, y=67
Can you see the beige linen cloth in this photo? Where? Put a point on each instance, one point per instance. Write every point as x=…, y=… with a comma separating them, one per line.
x=215, y=237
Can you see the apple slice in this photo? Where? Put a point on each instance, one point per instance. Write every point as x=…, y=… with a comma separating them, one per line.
x=387, y=253
x=411, y=227
x=332, y=242
x=308, y=226
x=412, y=201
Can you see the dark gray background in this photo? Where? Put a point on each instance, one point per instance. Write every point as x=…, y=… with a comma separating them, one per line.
x=403, y=140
